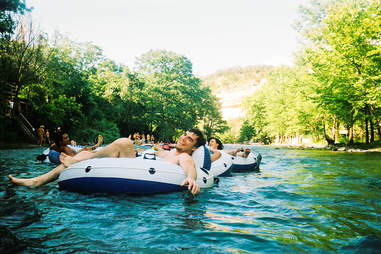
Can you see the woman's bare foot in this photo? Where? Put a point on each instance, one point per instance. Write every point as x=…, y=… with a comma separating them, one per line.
x=23, y=181
x=67, y=160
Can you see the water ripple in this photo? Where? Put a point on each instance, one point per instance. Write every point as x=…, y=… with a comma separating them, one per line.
x=300, y=202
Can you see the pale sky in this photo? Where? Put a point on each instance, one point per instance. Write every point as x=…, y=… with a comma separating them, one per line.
x=213, y=34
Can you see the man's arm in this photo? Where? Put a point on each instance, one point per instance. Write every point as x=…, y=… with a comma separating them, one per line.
x=187, y=164
x=160, y=151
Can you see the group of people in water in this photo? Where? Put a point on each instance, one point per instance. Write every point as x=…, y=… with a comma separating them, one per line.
x=43, y=136
x=124, y=147
x=142, y=139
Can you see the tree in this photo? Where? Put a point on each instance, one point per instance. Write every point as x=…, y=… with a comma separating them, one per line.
x=21, y=61
x=345, y=57
x=212, y=122
x=173, y=96
x=7, y=7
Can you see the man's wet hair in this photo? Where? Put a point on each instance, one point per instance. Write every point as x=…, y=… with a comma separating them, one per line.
x=220, y=145
x=200, y=137
x=57, y=137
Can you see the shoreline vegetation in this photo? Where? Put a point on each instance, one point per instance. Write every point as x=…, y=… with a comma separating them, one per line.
x=358, y=147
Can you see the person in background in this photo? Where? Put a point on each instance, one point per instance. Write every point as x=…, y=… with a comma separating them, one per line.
x=216, y=144
x=60, y=145
x=240, y=152
x=47, y=137
x=143, y=140
x=137, y=139
x=148, y=139
x=152, y=139
x=40, y=134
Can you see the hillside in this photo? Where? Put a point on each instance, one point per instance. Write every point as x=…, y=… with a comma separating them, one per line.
x=236, y=77
x=232, y=85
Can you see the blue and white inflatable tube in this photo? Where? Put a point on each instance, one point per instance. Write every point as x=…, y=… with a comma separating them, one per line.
x=248, y=164
x=146, y=174
x=223, y=165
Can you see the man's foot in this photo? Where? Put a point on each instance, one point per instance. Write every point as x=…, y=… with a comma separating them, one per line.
x=67, y=160
x=100, y=142
x=23, y=181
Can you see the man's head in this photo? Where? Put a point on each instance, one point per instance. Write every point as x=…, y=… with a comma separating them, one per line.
x=61, y=138
x=190, y=141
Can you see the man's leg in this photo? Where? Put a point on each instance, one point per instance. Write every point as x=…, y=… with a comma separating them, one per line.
x=39, y=180
x=122, y=147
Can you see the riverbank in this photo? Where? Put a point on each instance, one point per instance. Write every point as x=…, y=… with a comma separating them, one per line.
x=359, y=147
x=337, y=147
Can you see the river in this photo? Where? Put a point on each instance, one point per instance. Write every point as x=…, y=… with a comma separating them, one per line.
x=301, y=201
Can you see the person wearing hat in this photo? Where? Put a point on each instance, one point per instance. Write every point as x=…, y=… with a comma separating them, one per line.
x=40, y=134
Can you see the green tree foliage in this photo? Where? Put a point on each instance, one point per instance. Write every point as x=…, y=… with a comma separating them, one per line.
x=246, y=132
x=335, y=81
x=345, y=59
x=21, y=58
x=173, y=99
x=7, y=9
x=281, y=109
x=212, y=123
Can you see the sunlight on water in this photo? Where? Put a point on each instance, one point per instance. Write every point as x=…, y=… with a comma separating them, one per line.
x=300, y=202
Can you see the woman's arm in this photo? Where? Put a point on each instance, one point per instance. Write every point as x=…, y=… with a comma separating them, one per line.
x=234, y=152
x=215, y=154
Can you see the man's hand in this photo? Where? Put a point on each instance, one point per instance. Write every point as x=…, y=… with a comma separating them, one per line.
x=192, y=185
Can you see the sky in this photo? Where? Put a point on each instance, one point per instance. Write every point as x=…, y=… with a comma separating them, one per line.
x=212, y=34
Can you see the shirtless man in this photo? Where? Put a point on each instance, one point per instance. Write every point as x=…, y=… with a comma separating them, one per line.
x=123, y=147
x=40, y=133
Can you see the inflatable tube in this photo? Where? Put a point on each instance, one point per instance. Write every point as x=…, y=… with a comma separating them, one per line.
x=251, y=163
x=146, y=174
x=223, y=165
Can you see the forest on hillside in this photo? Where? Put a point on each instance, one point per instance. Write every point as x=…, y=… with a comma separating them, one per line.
x=235, y=77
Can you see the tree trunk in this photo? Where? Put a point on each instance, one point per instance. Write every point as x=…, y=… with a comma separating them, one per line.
x=366, y=131
x=335, y=130
x=337, y=127
x=371, y=130
x=350, y=138
x=329, y=140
